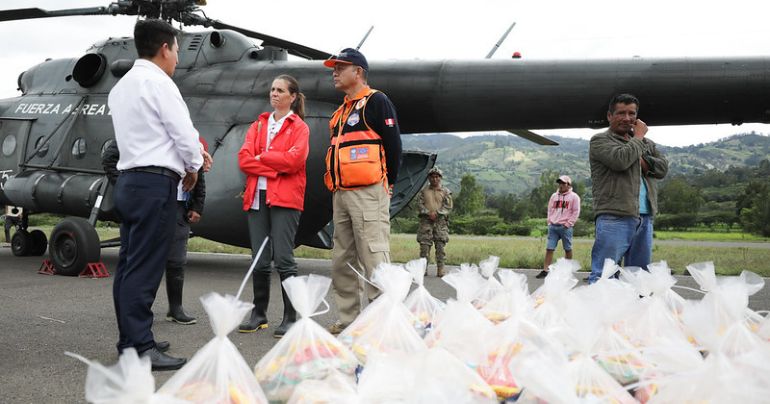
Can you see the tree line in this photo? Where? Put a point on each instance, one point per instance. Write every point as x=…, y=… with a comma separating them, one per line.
x=738, y=197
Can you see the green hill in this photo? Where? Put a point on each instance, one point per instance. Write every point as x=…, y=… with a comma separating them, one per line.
x=503, y=164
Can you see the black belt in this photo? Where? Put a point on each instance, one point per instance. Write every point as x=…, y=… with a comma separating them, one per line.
x=155, y=170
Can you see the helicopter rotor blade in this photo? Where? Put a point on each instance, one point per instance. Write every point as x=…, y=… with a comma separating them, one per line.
x=182, y=10
x=533, y=137
x=30, y=13
x=267, y=40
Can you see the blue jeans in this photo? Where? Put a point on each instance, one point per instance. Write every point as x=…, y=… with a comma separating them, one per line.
x=626, y=237
x=558, y=232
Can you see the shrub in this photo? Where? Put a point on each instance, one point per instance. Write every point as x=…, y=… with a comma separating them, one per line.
x=521, y=229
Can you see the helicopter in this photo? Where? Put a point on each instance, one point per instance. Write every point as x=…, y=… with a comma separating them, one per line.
x=52, y=135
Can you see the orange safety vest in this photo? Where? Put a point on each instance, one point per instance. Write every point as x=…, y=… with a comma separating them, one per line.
x=355, y=157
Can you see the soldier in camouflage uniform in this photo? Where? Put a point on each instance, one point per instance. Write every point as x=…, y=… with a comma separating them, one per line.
x=435, y=203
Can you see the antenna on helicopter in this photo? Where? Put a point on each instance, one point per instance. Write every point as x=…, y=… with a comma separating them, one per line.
x=500, y=41
x=364, y=38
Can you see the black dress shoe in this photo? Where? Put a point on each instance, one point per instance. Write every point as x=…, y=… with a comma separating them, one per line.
x=161, y=361
x=542, y=275
x=162, y=346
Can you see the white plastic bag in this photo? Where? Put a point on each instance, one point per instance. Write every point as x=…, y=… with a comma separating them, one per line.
x=461, y=326
x=552, y=297
x=386, y=325
x=336, y=388
x=503, y=344
x=657, y=316
x=218, y=372
x=424, y=306
x=592, y=315
x=492, y=287
x=763, y=327
x=513, y=299
x=430, y=376
x=307, y=351
x=130, y=381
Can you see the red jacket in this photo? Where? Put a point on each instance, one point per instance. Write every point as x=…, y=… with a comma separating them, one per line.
x=283, y=163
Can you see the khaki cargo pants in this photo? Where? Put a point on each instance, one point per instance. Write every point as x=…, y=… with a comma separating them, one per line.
x=361, y=238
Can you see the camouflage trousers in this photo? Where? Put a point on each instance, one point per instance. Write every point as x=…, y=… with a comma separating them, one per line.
x=433, y=232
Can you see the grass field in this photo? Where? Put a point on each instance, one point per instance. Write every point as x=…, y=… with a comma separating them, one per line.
x=700, y=235
x=521, y=252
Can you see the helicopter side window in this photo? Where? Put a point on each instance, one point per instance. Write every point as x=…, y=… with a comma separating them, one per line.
x=44, y=150
x=9, y=145
x=79, y=148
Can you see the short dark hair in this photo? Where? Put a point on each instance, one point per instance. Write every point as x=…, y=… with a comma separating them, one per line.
x=623, y=99
x=151, y=34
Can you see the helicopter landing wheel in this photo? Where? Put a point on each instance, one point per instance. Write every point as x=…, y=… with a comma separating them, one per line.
x=73, y=244
x=39, y=242
x=21, y=243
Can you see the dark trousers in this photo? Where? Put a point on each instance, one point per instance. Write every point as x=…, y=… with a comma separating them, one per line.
x=281, y=225
x=177, y=254
x=146, y=205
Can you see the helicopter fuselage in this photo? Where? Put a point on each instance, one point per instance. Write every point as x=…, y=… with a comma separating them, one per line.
x=61, y=122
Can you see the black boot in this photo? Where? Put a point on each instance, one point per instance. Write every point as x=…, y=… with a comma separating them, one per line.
x=258, y=319
x=174, y=285
x=289, y=314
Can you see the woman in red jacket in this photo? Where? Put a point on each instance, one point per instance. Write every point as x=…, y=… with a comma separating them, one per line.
x=273, y=159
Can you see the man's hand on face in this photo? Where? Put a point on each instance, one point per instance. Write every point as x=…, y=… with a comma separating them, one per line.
x=188, y=183
x=640, y=129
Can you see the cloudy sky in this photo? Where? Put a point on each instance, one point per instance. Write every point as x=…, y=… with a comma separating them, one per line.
x=432, y=29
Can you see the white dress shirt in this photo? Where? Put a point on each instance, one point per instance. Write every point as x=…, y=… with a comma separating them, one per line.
x=273, y=127
x=152, y=122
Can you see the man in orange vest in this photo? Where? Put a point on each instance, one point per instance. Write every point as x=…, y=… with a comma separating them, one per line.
x=361, y=167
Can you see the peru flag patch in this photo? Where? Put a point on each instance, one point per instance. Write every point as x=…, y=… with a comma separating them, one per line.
x=390, y=122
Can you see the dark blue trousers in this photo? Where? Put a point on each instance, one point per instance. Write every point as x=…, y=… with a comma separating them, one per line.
x=146, y=205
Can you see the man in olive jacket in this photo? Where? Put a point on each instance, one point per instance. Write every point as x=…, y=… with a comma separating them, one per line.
x=625, y=167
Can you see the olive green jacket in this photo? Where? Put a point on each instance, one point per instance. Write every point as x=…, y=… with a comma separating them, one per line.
x=616, y=173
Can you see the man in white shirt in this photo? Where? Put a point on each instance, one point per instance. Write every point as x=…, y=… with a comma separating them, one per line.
x=158, y=146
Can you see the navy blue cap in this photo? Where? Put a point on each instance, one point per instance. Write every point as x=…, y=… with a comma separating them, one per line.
x=348, y=56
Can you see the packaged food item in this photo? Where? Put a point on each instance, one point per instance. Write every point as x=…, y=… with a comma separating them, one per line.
x=307, y=351
x=492, y=287
x=386, y=325
x=461, y=326
x=762, y=327
x=592, y=384
x=424, y=306
x=217, y=372
x=130, y=381
x=504, y=344
x=725, y=303
x=552, y=297
x=512, y=300
x=595, y=335
x=430, y=376
x=656, y=318
x=540, y=369
x=336, y=388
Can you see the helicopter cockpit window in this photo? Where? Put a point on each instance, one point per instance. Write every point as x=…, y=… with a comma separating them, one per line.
x=44, y=150
x=9, y=145
x=79, y=148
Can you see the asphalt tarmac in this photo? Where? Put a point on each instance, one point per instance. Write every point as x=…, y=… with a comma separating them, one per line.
x=42, y=316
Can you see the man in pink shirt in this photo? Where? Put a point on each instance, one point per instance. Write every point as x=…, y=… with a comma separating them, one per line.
x=563, y=212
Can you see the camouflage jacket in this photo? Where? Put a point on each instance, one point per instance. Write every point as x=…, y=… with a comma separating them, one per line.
x=446, y=202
